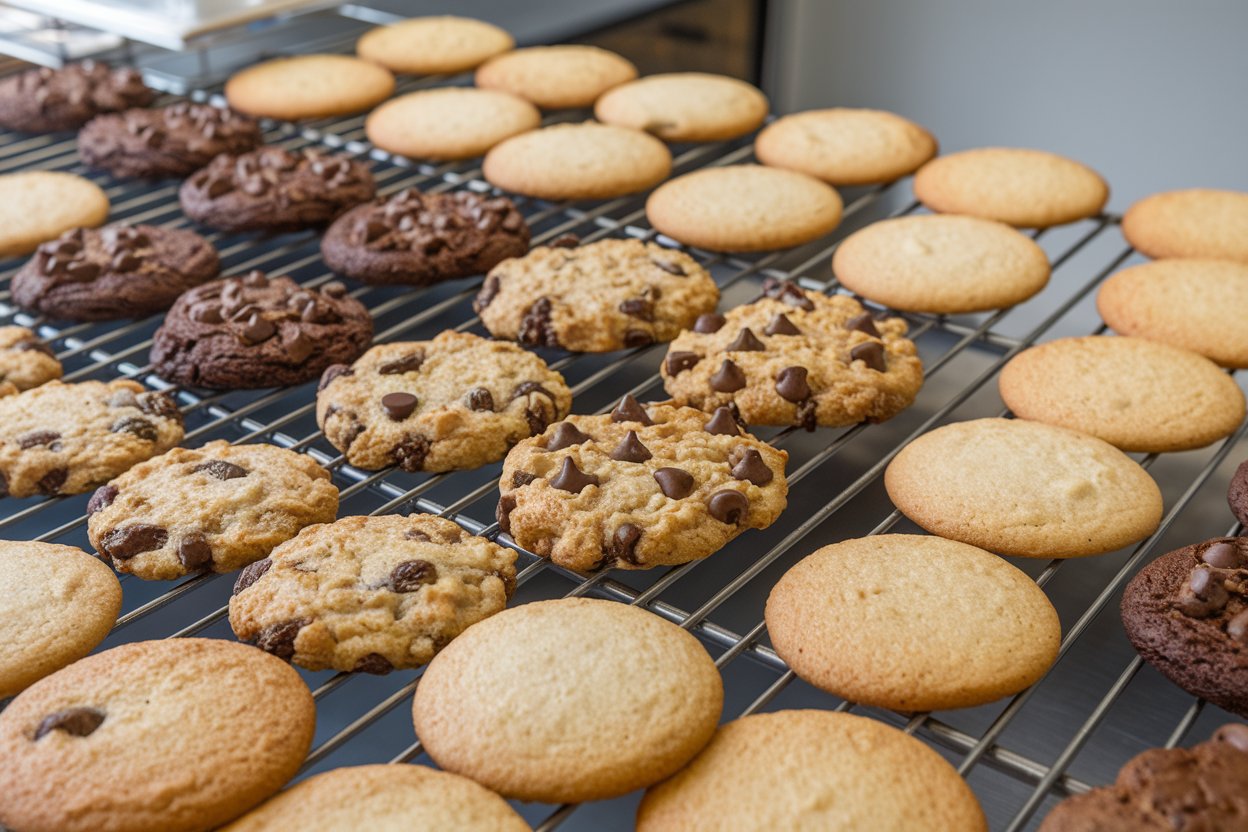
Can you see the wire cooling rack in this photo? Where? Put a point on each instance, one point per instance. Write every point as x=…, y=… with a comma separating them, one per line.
x=1097, y=707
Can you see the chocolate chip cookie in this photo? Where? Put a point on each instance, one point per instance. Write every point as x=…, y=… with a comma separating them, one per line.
x=121, y=271
x=168, y=141
x=795, y=357
x=371, y=594
x=1186, y=613
x=418, y=239
x=45, y=100
x=642, y=486
x=257, y=331
x=272, y=189
x=453, y=403
x=70, y=438
x=598, y=297
x=25, y=361
x=218, y=508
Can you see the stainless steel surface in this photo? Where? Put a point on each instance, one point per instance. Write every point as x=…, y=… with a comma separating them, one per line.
x=1095, y=709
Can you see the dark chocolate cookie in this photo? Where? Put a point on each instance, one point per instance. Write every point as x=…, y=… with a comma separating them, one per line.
x=255, y=331
x=1187, y=615
x=122, y=271
x=169, y=141
x=272, y=189
x=418, y=239
x=1237, y=494
x=45, y=100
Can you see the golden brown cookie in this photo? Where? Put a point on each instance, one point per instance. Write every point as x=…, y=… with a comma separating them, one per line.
x=685, y=106
x=1200, y=222
x=25, y=361
x=37, y=206
x=309, y=86
x=435, y=45
x=449, y=123
x=556, y=77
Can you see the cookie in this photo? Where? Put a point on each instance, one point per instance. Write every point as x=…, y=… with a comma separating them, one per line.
x=943, y=264
x=25, y=362
x=70, y=438
x=309, y=86
x=38, y=206
x=578, y=161
x=603, y=296
x=1167, y=789
x=257, y=331
x=556, y=77
x=685, y=106
x=1138, y=395
x=449, y=123
x=418, y=239
x=846, y=146
x=56, y=604
x=436, y=45
x=1186, y=613
x=639, y=487
x=1020, y=187
x=744, y=208
x=371, y=594
x=1070, y=494
x=217, y=508
x=986, y=629
x=795, y=357
x=382, y=797
x=46, y=100
x=1200, y=222
x=199, y=731
x=121, y=271
x=272, y=189
x=812, y=770
x=1193, y=304
x=486, y=708
x=1237, y=493
x=172, y=141
x=454, y=403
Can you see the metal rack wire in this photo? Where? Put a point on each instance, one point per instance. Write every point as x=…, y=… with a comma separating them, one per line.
x=717, y=599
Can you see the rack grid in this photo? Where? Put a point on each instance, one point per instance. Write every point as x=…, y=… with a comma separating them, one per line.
x=1020, y=755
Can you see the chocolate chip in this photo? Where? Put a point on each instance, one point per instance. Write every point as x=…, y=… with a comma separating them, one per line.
x=709, y=322
x=506, y=505
x=206, y=314
x=221, y=470
x=807, y=414
x=537, y=420
x=279, y=639
x=411, y=575
x=751, y=467
x=398, y=406
x=487, y=294
x=722, y=423
x=126, y=542
x=863, y=323
x=746, y=341
x=728, y=506
x=4, y=485
x=524, y=388
x=565, y=435
x=638, y=308
x=522, y=478
x=1222, y=555
x=631, y=449
x=35, y=346
x=194, y=552
x=137, y=426
x=781, y=325
x=573, y=479
x=410, y=453
x=637, y=338
x=791, y=384
x=258, y=330
x=568, y=240
x=218, y=186
x=299, y=348
x=374, y=663
x=332, y=372
x=82, y=271
x=787, y=292
x=51, y=482
x=250, y=574
x=1203, y=594
x=679, y=361
x=1237, y=628
x=870, y=353
x=624, y=543
x=728, y=378
x=126, y=262
x=480, y=399
x=76, y=722
x=629, y=410
x=255, y=279
x=409, y=363
x=102, y=498
x=1234, y=734
x=159, y=404
x=674, y=482
x=36, y=438
x=669, y=267
x=535, y=326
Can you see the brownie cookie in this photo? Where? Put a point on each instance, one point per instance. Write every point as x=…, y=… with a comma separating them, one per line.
x=179, y=735
x=556, y=77
x=25, y=362
x=603, y=296
x=1186, y=613
x=70, y=438
x=795, y=357
x=218, y=508
x=121, y=271
x=272, y=189
x=40, y=205
x=418, y=239
x=434, y=45
x=1199, y=222
x=257, y=331
x=371, y=594
x=639, y=487
x=169, y=141
x=454, y=403
x=46, y=100
x=1237, y=494
x=1168, y=790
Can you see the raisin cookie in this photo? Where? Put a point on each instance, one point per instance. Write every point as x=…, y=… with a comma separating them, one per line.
x=70, y=438
x=598, y=297
x=556, y=77
x=121, y=271
x=272, y=189
x=1199, y=222
x=41, y=205
x=642, y=486
x=371, y=594
x=25, y=361
x=46, y=100
x=219, y=507
x=176, y=140
x=456, y=402
x=418, y=239
x=257, y=331
x=795, y=357
x=434, y=45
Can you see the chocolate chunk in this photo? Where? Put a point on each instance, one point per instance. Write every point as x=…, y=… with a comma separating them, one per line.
x=751, y=467
x=629, y=410
x=781, y=325
x=863, y=323
x=417, y=534
x=51, y=482
x=638, y=308
x=1237, y=628
x=871, y=353
x=565, y=435
x=535, y=326
x=76, y=722
x=506, y=505
x=279, y=639
x=631, y=449
x=332, y=372
x=573, y=479
x=409, y=363
x=398, y=406
x=221, y=470
x=787, y=292
x=674, y=482
x=709, y=322
x=299, y=348
x=126, y=262
x=207, y=313
x=411, y=452
x=1221, y=555
x=537, y=419
x=679, y=361
x=250, y=574
x=791, y=384
x=126, y=542
x=669, y=267
x=746, y=341
x=374, y=663
x=194, y=552
x=489, y=290
x=37, y=438
x=159, y=404
x=624, y=543
x=728, y=378
x=1203, y=594
x=637, y=338
x=568, y=240
x=522, y=478
x=334, y=289
x=137, y=426
x=480, y=399
x=102, y=498
x=728, y=506
x=258, y=330
x=807, y=414
x=722, y=423
x=524, y=388
x=411, y=575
